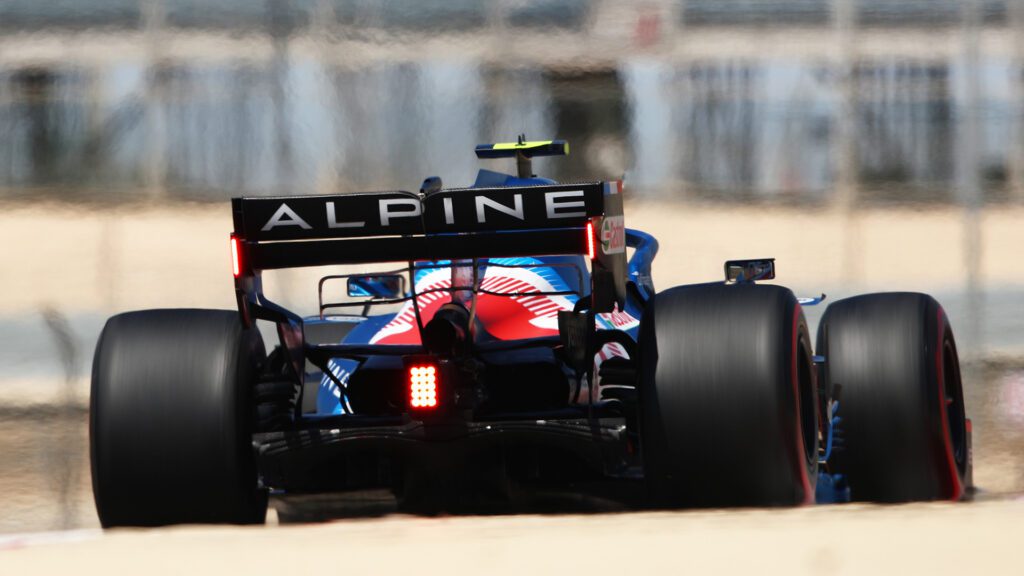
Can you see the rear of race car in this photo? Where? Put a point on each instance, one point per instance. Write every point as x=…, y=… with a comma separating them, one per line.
x=490, y=371
x=513, y=349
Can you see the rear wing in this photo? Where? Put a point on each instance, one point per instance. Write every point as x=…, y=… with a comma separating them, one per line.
x=297, y=231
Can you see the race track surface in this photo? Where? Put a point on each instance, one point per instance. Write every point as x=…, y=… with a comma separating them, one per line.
x=940, y=538
x=362, y=535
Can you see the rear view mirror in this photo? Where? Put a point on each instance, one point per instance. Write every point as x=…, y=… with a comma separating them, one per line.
x=742, y=271
x=376, y=286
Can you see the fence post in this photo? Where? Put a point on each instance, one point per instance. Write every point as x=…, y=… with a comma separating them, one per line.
x=155, y=169
x=845, y=148
x=1016, y=151
x=968, y=180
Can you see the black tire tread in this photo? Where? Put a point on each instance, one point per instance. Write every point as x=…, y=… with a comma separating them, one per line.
x=170, y=419
x=881, y=352
x=719, y=422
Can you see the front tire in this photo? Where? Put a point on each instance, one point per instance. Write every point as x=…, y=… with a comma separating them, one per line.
x=728, y=399
x=171, y=419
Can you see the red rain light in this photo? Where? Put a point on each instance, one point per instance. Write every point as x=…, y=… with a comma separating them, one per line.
x=590, y=240
x=423, y=386
x=236, y=260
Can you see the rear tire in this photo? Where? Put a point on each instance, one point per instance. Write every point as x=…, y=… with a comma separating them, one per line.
x=901, y=408
x=728, y=399
x=171, y=419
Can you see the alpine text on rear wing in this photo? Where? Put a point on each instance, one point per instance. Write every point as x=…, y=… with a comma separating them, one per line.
x=295, y=231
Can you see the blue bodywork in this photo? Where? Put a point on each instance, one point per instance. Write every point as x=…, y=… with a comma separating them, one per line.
x=331, y=399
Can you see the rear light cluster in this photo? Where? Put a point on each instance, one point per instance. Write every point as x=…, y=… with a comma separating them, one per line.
x=423, y=387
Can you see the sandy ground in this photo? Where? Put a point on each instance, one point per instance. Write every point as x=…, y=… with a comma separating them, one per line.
x=46, y=488
x=76, y=259
x=975, y=538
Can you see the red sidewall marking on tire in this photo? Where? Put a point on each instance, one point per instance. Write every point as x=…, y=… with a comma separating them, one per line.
x=947, y=438
x=805, y=480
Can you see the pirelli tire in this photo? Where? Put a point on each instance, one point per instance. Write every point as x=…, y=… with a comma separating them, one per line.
x=892, y=361
x=171, y=419
x=728, y=400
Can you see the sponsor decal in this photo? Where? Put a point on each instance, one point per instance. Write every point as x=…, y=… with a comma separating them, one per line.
x=613, y=235
x=331, y=399
x=346, y=318
x=607, y=352
x=616, y=320
x=393, y=213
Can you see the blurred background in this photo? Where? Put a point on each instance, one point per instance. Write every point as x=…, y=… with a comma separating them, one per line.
x=866, y=144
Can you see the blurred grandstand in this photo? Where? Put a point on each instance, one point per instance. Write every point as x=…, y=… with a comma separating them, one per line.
x=793, y=100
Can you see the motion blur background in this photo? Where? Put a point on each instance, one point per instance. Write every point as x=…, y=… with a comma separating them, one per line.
x=867, y=144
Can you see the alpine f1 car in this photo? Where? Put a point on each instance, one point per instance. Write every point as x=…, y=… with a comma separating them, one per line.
x=517, y=345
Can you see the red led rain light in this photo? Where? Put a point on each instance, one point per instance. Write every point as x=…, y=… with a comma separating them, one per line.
x=423, y=387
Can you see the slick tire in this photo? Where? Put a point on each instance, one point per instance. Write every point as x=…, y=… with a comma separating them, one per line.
x=728, y=398
x=902, y=425
x=170, y=419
